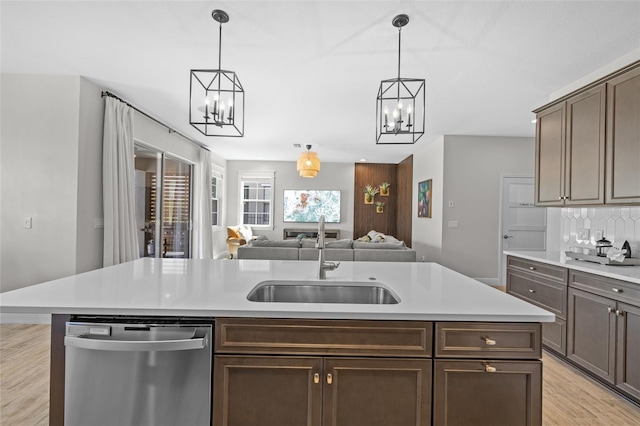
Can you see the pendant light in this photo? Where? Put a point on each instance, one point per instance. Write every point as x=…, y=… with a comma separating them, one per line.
x=308, y=163
x=216, y=98
x=400, y=104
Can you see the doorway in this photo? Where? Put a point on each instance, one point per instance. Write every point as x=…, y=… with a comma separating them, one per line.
x=523, y=226
x=163, y=203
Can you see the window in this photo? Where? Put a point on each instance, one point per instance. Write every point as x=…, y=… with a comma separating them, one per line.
x=216, y=198
x=256, y=199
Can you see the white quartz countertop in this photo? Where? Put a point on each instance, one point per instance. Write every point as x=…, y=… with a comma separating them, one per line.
x=624, y=273
x=218, y=288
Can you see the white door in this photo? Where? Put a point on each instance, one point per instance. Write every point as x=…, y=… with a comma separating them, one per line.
x=522, y=225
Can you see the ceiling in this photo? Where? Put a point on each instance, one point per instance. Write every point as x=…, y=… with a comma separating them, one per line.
x=311, y=69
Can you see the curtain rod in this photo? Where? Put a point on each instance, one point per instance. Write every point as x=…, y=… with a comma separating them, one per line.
x=111, y=95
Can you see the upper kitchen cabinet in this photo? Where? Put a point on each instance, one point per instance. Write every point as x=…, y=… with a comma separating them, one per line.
x=570, y=149
x=588, y=144
x=623, y=139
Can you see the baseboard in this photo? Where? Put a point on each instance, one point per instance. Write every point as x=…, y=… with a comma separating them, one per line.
x=6, y=318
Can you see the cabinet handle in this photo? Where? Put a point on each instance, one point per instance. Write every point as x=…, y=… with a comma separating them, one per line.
x=489, y=369
x=316, y=378
x=489, y=342
x=619, y=313
x=560, y=198
x=329, y=379
x=533, y=268
x=531, y=290
x=609, y=309
x=616, y=290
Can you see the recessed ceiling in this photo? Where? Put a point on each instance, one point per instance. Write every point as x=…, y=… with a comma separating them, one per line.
x=311, y=69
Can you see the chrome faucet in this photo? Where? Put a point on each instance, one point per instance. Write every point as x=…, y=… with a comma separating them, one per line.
x=323, y=266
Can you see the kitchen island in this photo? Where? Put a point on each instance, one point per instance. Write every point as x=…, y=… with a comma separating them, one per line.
x=416, y=362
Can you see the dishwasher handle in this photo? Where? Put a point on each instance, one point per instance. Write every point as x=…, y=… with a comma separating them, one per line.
x=135, y=346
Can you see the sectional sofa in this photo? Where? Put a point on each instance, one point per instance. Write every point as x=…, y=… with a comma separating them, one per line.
x=340, y=250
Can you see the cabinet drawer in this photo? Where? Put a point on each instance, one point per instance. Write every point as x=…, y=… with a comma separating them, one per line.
x=608, y=287
x=488, y=340
x=323, y=337
x=542, y=292
x=552, y=272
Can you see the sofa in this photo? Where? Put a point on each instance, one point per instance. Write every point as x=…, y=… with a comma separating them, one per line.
x=335, y=251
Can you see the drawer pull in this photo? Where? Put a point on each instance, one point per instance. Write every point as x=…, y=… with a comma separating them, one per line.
x=533, y=268
x=531, y=290
x=616, y=290
x=619, y=312
x=329, y=379
x=609, y=309
x=316, y=378
x=489, y=369
x=489, y=342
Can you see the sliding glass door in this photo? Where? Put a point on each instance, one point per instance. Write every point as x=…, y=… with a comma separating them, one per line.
x=163, y=204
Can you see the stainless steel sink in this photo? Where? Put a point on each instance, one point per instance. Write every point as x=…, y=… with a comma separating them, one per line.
x=356, y=292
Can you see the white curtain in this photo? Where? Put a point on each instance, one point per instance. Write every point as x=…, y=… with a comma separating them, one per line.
x=203, y=239
x=120, y=237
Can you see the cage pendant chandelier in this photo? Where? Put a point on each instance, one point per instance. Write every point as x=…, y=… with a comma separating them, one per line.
x=400, y=110
x=216, y=98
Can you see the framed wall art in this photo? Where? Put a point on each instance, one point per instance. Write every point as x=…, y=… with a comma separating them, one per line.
x=424, y=198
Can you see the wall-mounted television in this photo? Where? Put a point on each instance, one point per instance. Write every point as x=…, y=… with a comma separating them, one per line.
x=306, y=206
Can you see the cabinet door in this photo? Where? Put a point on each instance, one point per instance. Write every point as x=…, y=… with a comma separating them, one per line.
x=627, y=365
x=267, y=391
x=550, y=156
x=623, y=139
x=377, y=392
x=491, y=393
x=591, y=333
x=584, y=166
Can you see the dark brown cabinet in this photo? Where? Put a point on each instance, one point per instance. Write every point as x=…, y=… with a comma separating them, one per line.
x=570, y=150
x=487, y=374
x=545, y=286
x=604, y=329
x=623, y=139
x=322, y=372
x=475, y=392
x=588, y=144
x=310, y=391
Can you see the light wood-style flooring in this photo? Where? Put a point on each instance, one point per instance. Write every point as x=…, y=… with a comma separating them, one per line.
x=569, y=397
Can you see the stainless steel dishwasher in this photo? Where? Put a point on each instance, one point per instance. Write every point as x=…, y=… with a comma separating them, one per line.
x=139, y=373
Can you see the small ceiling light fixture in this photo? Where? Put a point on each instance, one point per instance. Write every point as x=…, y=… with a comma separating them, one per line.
x=308, y=163
x=216, y=98
x=400, y=104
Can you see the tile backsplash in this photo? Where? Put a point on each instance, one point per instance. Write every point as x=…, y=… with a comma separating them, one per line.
x=617, y=223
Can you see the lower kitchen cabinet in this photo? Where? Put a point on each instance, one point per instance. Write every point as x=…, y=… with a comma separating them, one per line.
x=604, y=330
x=592, y=326
x=331, y=391
x=628, y=338
x=487, y=392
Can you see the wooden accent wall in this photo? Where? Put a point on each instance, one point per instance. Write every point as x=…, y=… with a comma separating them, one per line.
x=396, y=219
x=404, y=207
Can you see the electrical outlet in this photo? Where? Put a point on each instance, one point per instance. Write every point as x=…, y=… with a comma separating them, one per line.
x=27, y=222
x=583, y=234
x=599, y=234
x=453, y=224
x=450, y=203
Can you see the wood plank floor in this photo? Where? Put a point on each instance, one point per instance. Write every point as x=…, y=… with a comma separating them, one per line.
x=569, y=397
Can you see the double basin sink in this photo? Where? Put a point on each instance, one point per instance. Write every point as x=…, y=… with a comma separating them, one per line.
x=320, y=291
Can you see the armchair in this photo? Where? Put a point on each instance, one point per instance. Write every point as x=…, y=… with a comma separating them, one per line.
x=238, y=236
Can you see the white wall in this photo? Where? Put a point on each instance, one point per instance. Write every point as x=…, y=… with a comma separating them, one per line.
x=426, y=234
x=44, y=139
x=467, y=170
x=339, y=176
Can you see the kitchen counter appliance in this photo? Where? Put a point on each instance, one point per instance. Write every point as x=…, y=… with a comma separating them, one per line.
x=137, y=372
